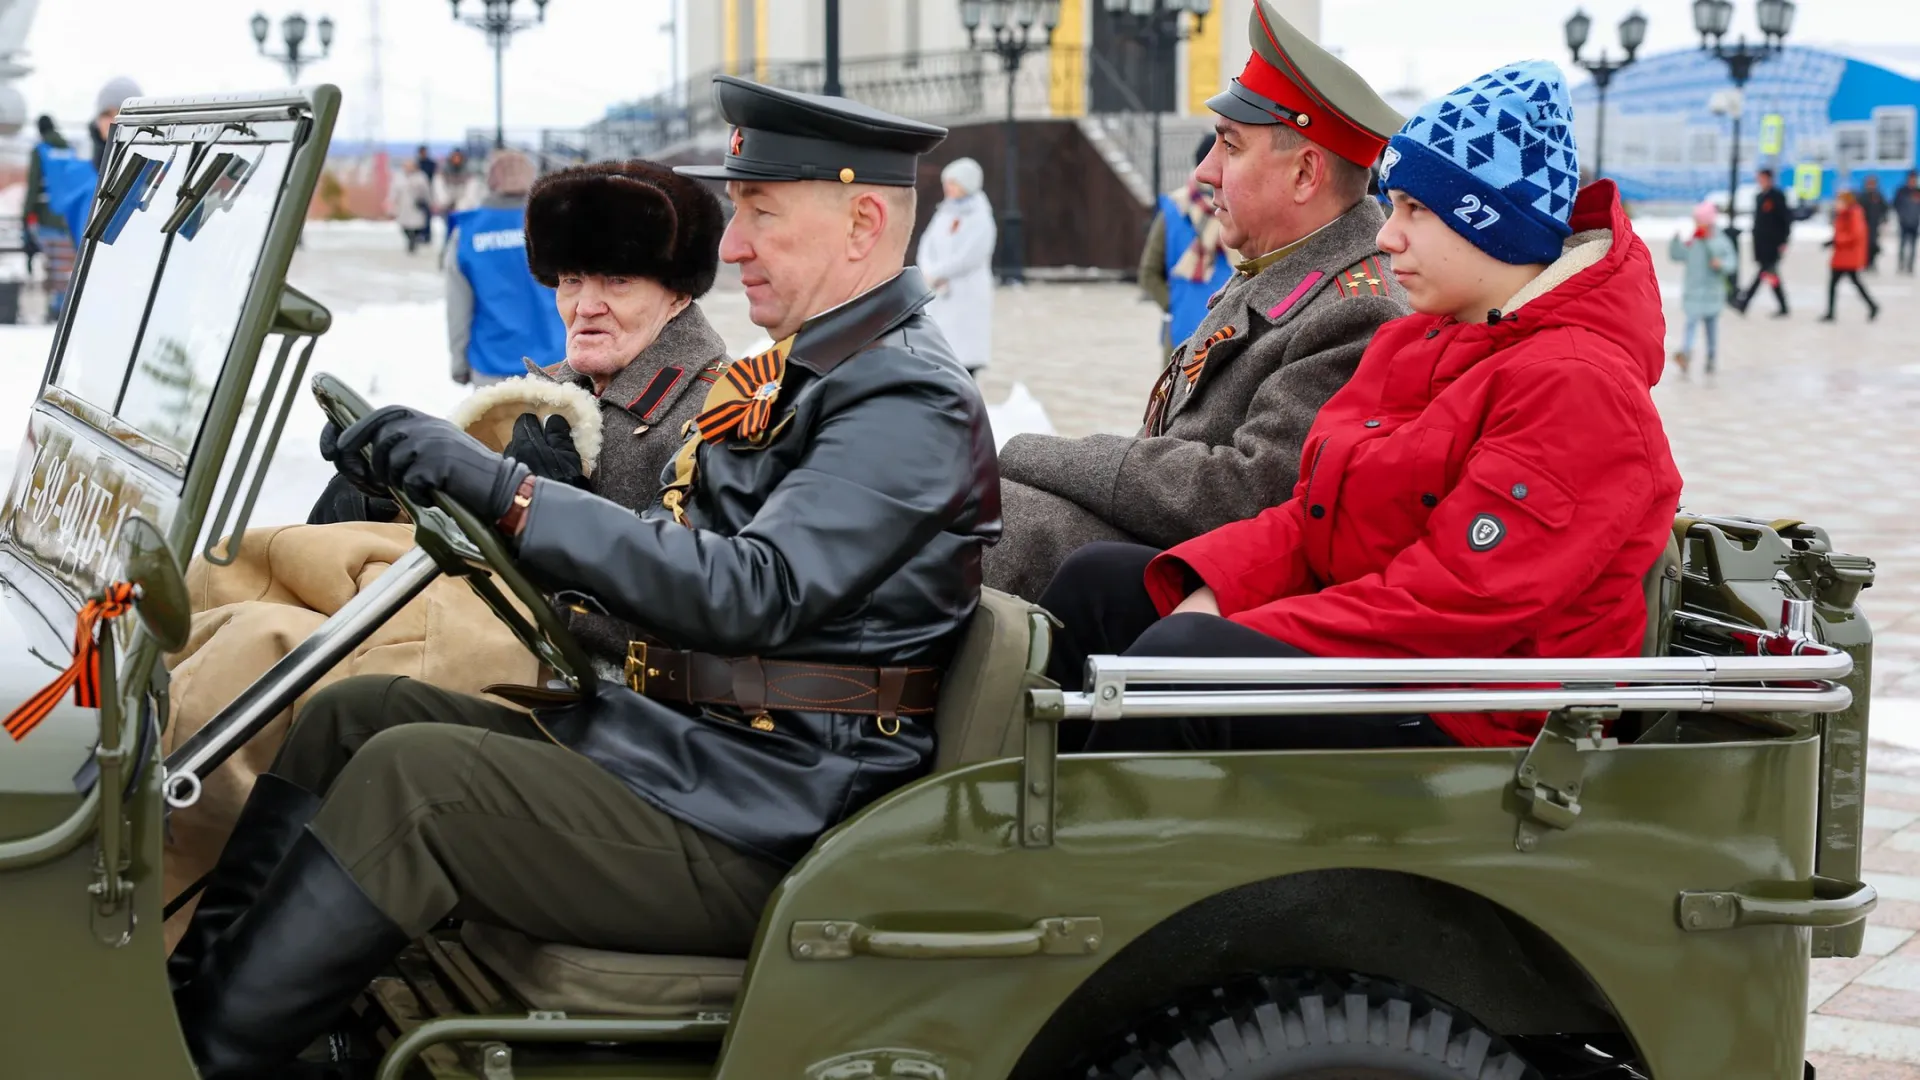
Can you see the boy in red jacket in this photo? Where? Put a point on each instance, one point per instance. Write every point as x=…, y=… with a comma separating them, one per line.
x=1493, y=482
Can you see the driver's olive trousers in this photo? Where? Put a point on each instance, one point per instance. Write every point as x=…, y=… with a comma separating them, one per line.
x=441, y=804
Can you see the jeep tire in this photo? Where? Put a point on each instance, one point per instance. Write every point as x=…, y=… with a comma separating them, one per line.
x=1313, y=1026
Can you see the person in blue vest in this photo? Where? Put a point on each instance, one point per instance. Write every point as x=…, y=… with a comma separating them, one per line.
x=1185, y=263
x=60, y=185
x=498, y=316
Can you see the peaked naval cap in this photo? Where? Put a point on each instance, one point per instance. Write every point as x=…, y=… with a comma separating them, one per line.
x=782, y=135
x=1496, y=160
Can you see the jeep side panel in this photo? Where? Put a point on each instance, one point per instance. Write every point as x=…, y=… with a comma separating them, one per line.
x=1141, y=840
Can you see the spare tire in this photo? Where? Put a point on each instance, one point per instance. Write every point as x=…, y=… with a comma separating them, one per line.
x=1312, y=1026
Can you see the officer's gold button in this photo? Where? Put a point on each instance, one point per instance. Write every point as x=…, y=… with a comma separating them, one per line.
x=846, y=176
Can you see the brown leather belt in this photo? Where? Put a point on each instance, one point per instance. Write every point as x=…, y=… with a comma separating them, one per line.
x=757, y=686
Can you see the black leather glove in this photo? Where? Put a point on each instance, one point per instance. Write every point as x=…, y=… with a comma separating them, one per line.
x=549, y=453
x=341, y=501
x=422, y=454
x=352, y=466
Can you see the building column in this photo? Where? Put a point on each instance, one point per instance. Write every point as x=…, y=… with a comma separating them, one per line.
x=1068, y=69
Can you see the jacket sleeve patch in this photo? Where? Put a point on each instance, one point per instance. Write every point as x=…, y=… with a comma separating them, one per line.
x=1306, y=285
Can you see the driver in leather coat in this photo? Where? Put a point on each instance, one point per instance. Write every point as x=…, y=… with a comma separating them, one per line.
x=813, y=560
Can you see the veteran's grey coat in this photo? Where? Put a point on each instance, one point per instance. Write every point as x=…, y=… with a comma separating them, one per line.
x=643, y=412
x=1229, y=445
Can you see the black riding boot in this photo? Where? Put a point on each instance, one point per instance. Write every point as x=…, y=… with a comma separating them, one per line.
x=275, y=815
x=288, y=968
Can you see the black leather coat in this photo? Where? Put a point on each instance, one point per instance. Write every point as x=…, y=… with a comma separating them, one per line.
x=853, y=536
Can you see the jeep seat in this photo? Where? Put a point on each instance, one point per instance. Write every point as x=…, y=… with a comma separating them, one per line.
x=977, y=718
x=1662, y=587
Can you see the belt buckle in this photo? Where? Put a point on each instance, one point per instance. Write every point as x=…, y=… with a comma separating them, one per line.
x=637, y=669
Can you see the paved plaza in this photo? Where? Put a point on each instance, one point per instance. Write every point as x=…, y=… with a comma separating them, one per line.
x=1803, y=419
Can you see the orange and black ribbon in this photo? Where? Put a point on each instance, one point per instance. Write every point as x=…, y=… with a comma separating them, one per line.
x=740, y=405
x=83, y=675
x=1198, y=361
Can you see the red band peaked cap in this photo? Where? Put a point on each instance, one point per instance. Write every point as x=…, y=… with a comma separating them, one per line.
x=1293, y=92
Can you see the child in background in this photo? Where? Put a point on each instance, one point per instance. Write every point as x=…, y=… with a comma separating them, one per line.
x=1709, y=257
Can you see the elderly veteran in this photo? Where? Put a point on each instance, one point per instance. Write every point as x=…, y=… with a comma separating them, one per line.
x=823, y=529
x=641, y=357
x=1297, y=133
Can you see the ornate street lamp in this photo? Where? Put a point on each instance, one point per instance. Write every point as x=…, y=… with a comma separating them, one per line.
x=497, y=21
x=1010, y=37
x=1156, y=24
x=293, y=31
x=1712, y=18
x=1633, y=34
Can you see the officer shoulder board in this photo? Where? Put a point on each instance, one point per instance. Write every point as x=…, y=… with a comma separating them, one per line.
x=1368, y=277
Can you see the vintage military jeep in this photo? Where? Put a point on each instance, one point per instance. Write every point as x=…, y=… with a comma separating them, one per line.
x=1637, y=894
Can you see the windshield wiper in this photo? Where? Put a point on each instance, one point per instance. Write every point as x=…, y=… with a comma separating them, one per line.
x=117, y=201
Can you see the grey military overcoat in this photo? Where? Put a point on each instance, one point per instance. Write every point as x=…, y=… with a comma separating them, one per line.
x=643, y=411
x=1225, y=442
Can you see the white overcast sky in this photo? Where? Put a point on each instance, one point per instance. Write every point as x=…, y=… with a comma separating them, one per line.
x=438, y=76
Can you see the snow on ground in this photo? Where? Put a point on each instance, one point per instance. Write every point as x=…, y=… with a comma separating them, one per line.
x=388, y=342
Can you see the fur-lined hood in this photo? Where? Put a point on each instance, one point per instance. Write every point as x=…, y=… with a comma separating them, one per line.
x=490, y=413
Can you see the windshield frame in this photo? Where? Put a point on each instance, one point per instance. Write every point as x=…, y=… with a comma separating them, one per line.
x=185, y=145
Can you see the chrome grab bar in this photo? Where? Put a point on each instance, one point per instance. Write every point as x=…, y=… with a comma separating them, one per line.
x=1819, y=663
x=1135, y=704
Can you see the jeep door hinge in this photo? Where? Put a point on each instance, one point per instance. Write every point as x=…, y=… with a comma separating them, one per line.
x=1550, y=775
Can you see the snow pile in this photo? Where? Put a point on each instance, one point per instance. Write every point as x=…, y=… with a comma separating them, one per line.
x=1020, y=414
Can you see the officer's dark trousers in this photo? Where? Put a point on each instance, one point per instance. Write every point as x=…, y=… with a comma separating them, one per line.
x=1099, y=593
x=441, y=804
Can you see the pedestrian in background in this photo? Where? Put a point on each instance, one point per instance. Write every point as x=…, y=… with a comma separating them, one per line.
x=498, y=316
x=456, y=187
x=1850, y=245
x=1772, y=222
x=1906, y=209
x=956, y=255
x=1709, y=256
x=106, y=109
x=1184, y=262
x=59, y=182
x=407, y=199
x=1874, y=205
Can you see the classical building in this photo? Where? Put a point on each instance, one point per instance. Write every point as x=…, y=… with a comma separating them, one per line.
x=756, y=36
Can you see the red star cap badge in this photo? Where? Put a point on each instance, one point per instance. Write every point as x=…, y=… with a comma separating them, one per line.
x=739, y=137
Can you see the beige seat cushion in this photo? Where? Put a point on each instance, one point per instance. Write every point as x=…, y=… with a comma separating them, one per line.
x=981, y=693
x=570, y=979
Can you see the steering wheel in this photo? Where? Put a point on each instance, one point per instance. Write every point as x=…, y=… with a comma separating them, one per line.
x=464, y=546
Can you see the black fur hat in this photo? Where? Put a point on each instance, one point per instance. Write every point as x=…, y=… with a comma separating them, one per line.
x=625, y=217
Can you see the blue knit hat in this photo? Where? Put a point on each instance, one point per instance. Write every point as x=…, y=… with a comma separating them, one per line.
x=1496, y=160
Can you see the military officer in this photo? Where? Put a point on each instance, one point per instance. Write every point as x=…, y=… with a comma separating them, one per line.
x=1220, y=439
x=819, y=541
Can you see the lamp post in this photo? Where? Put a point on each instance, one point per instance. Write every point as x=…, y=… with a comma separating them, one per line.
x=1156, y=23
x=497, y=21
x=1010, y=26
x=1711, y=18
x=1633, y=33
x=293, y=31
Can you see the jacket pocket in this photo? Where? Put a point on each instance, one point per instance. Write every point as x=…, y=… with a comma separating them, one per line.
x=1523, y=486
x=1426, y=480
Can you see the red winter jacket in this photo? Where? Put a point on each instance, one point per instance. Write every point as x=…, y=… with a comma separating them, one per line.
x=1475, y=490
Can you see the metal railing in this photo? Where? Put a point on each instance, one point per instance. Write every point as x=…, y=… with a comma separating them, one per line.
x=1677, y=683
x=951, y=87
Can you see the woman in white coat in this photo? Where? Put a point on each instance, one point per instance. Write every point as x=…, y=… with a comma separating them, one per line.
x=956, y=255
